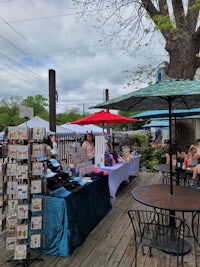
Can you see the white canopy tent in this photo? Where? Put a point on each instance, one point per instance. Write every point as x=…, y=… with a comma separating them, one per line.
x=39, y=122
x=82, y=129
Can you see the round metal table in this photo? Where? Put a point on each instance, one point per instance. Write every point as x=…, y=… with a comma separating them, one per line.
x=158, y=196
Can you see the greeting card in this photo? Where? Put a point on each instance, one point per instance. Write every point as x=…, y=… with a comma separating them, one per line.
x=36, y=204
x=22, y=191
x=18, y=151
x=22, y=231
x=22, y=211
x=38, y=150
x=20, y=252
x=35, y=241
x=36, y=222
x=12, y=223
x=22, y=171
x=11, y=242
x=17, y=132
x=36, y=186
x=38, y=133
x=11, y=188
x=11, y=169
x=12, y=206
x=37, y=168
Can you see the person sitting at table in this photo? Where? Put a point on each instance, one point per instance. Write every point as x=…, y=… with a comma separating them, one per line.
x=155, y=144
x=176, y=155
x=196, y=172
x=88, y=147
x=191, y=159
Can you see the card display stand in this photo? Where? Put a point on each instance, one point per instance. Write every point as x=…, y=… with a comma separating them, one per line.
x=22, y=167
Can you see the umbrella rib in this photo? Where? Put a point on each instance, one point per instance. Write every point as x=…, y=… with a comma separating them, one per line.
x=136, y=103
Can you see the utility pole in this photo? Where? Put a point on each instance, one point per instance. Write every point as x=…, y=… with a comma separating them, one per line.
x=107, y=98
x=52, y=100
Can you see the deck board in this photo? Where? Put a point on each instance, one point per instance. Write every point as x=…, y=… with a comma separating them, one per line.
x=110, y=243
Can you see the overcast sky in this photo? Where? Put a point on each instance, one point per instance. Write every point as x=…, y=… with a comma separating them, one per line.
x=38, y=35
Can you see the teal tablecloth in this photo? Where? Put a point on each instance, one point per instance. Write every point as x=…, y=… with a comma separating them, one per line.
x=68, y=221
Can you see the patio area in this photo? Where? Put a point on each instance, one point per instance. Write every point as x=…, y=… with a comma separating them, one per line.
x=110, y=243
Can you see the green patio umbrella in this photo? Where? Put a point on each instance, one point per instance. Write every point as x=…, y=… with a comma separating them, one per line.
x=169, y=94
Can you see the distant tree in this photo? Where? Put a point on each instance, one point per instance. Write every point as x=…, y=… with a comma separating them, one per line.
x=39, y=105
x=9, y=112
x=132, y=21
x=68, y=116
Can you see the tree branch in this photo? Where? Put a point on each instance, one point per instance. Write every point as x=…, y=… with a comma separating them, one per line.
x=192, y=16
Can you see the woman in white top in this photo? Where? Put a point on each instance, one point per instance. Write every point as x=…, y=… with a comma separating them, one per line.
x=88, y=147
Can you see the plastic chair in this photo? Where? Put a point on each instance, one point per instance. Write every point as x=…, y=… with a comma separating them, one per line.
x=157, y=230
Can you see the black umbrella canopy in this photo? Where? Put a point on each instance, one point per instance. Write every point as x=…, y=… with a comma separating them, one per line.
x=170, y=94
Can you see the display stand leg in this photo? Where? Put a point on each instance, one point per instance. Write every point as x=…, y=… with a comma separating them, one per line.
x=25, y=262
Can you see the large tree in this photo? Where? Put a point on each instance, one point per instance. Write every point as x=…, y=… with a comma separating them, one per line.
x=177, y=21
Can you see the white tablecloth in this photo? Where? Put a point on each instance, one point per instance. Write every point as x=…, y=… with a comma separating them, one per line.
x=120, y=172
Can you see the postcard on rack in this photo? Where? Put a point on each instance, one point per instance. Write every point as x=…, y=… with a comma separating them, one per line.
x=22, y=191
x=36, y=204
x=35, y=241
x=11, y=242
x=38, y=133
x=11, y=169
x=12, y=132
x=36, y=186
x=22, y=211
x=12, y=188
x=12, y=224
x=12, y=206
x=22, y=152
x=20, y=252
x=22, y=172
x=38, y=150
x=37, y=168
x=22, y=231
x=36, y=222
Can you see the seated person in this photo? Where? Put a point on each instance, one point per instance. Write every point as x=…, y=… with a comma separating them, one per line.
x=196, y=171
x=191, y=159
x=176, y=155
x=155, y=144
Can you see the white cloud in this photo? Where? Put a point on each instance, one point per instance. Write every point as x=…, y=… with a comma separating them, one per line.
x=36, y=36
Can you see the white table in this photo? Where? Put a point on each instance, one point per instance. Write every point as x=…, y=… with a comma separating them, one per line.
x=120, y=172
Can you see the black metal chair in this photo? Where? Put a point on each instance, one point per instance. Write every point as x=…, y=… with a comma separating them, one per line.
x=196, y=227
x=157, y=230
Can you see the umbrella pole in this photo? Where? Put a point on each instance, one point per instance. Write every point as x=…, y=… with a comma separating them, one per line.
x=170, y=144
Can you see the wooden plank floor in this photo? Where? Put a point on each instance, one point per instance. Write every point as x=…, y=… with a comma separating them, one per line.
x=110, y=243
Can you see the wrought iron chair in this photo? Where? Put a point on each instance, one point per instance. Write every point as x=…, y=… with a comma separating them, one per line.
x=196, y=226
x=157, y=230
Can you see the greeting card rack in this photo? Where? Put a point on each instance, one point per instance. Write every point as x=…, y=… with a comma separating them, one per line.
x=23, y=166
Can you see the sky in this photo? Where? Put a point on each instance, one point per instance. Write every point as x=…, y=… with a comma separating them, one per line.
x=39, y=35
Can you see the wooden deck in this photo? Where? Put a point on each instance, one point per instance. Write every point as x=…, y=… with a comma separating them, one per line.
x=110, y=243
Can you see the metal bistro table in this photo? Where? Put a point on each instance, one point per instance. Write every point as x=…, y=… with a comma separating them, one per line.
x=158, y=196
x=165, y=169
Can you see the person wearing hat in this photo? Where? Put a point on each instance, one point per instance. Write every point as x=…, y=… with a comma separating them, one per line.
x=51, y=142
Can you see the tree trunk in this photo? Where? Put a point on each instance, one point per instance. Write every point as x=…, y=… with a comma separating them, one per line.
x=183, y=58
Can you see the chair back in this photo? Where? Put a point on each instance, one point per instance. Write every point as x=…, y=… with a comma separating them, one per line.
x=158, y=230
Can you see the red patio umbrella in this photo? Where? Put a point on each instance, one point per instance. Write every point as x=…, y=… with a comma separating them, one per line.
x=104, y=117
